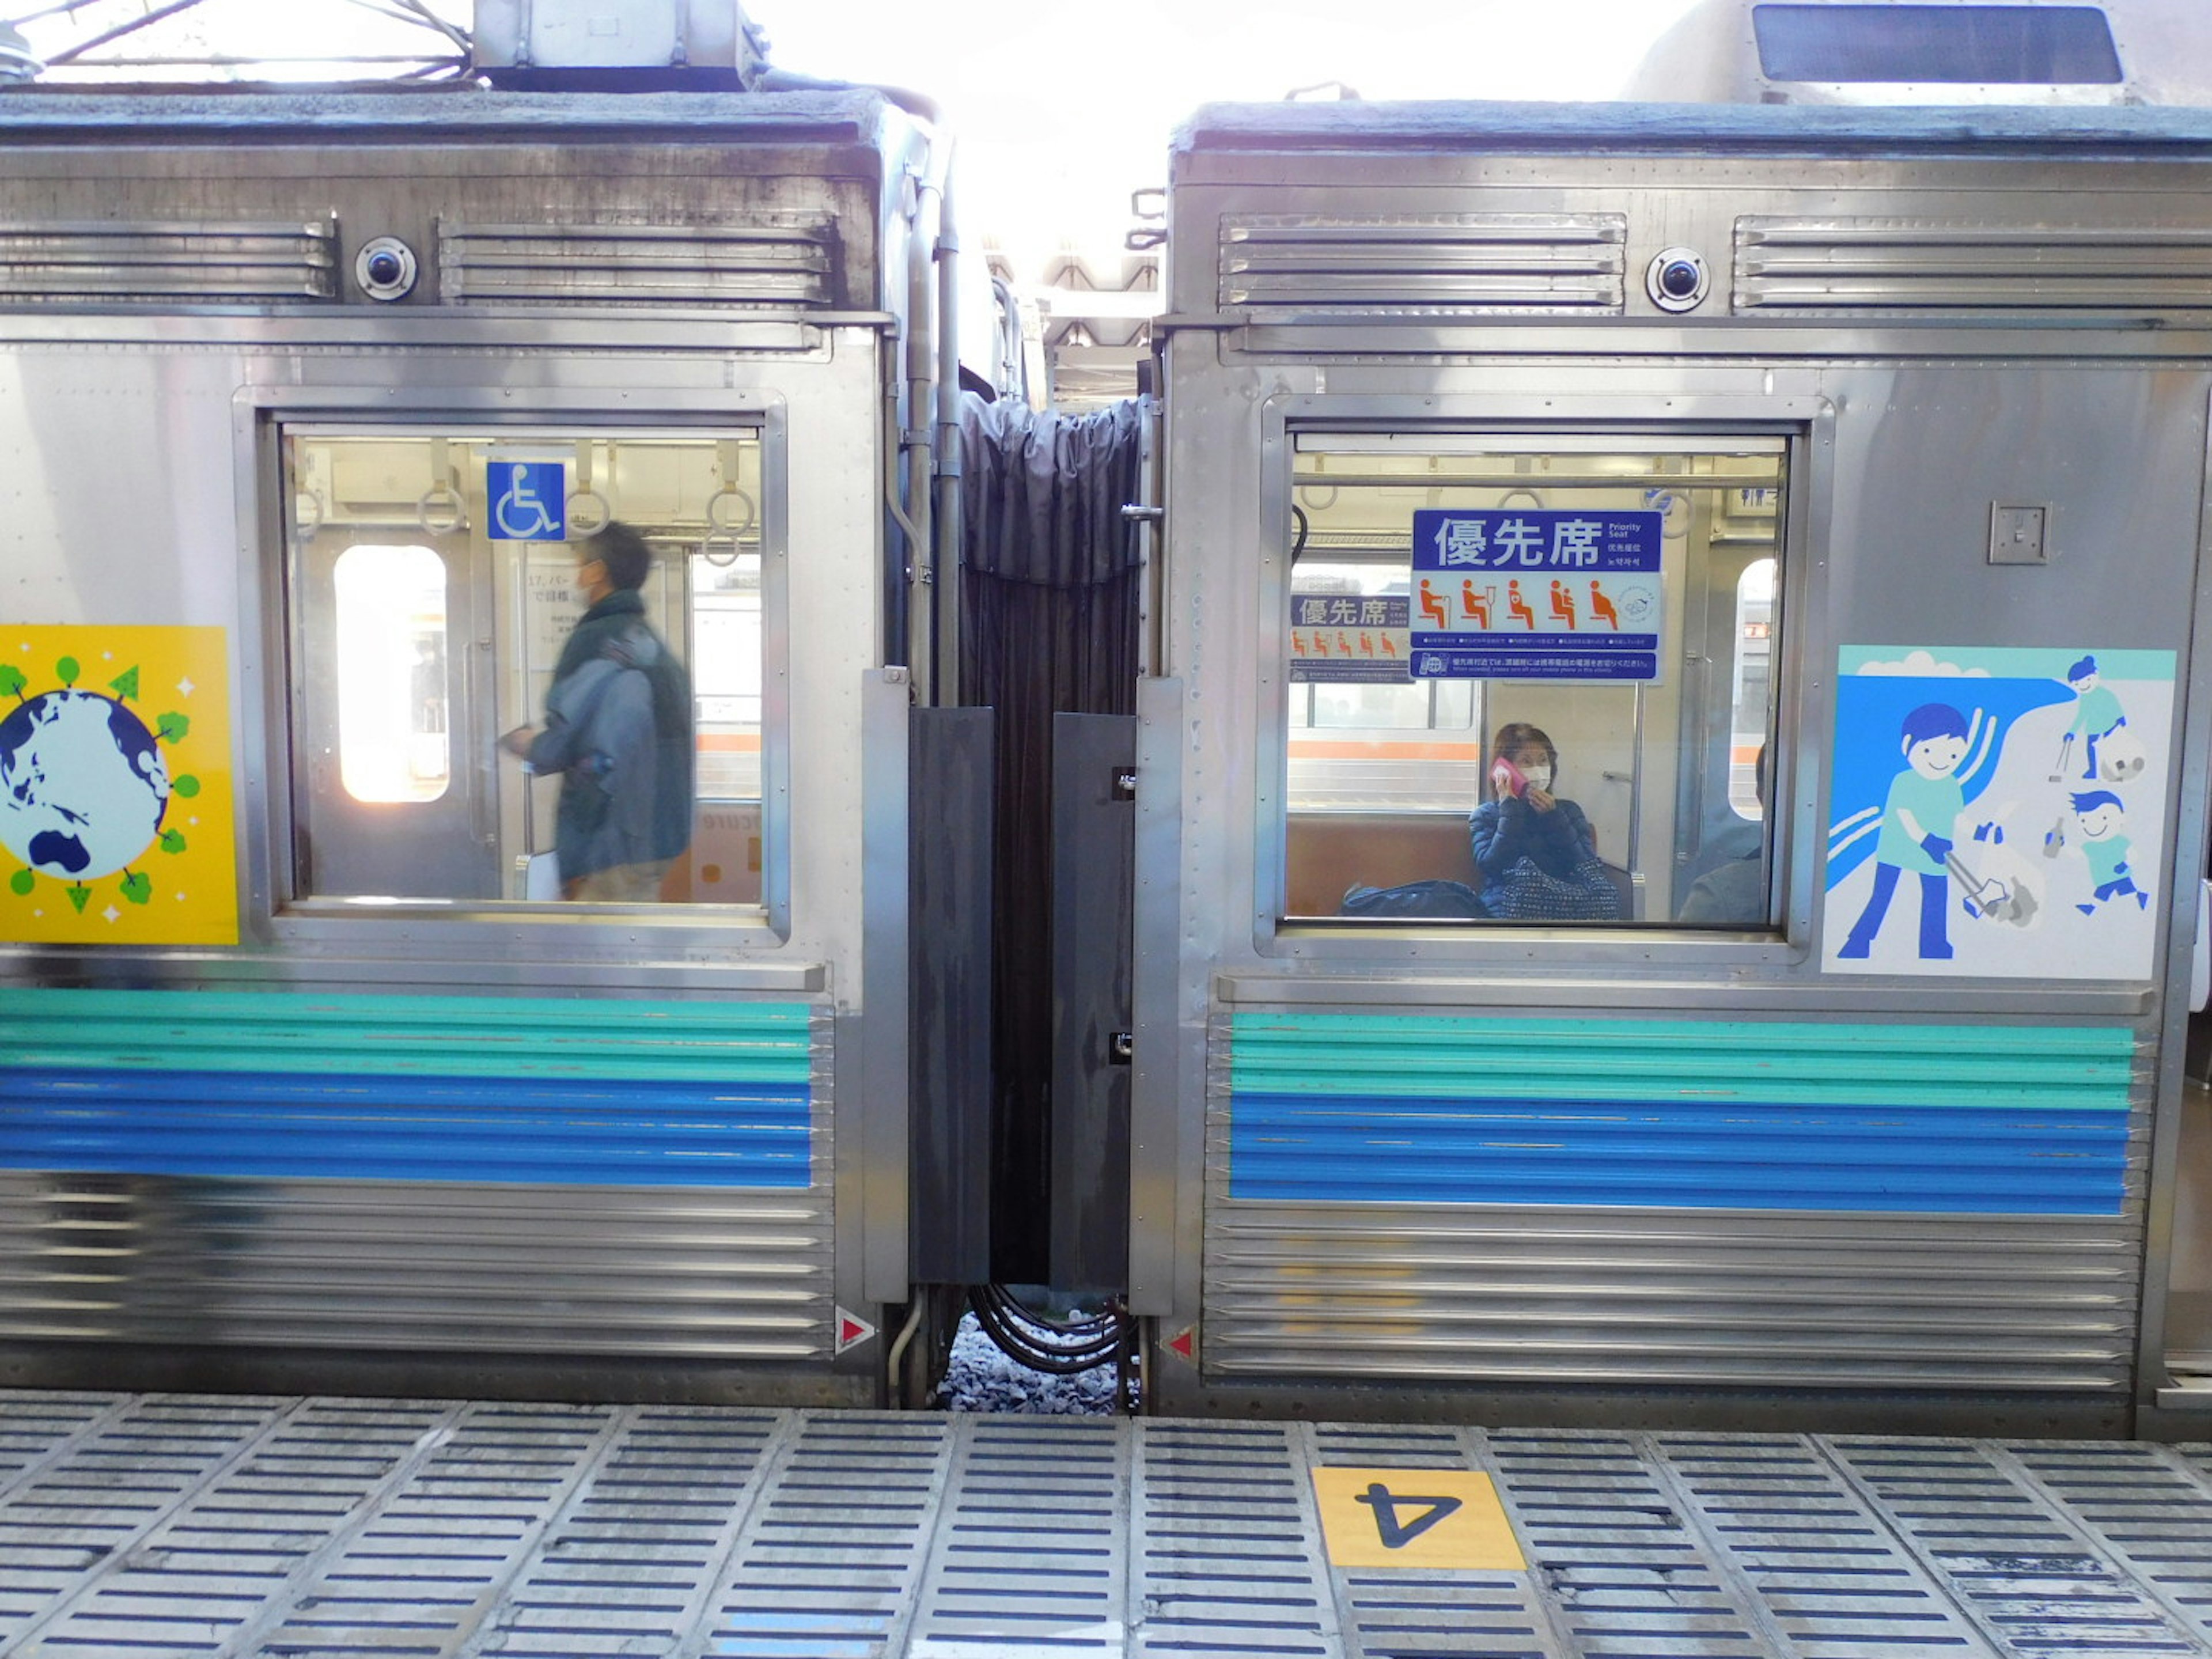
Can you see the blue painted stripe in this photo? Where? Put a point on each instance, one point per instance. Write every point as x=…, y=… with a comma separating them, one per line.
x=277, y=1126
x=2031, y=1158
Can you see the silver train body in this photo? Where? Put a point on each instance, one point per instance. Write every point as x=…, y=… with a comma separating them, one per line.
x=300, y=395
x=1827, y=485
x=1899, y=415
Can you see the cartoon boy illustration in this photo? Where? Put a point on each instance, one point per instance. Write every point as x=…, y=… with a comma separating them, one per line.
x=2097, y=714
x=1917, y=820
x=2101, y=814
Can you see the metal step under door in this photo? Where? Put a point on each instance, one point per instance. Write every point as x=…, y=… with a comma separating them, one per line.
x=148, y=1525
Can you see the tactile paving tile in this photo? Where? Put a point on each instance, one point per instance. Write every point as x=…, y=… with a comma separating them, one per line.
x=436, y=1558
x=1225, y=1547
x=72, y=1526
x=1611, y=1551
x=629, y=1564
x=828, y=1562
x=1030, y=1554
x=1832, y=1582
x=2148, y=1508
x=2030, y=1577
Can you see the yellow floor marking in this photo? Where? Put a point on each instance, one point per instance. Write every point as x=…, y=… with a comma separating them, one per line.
x=1433, y=1518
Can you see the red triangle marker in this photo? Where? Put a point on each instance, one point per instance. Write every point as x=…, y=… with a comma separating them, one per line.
x=851, y=1331
x=1184, y=1344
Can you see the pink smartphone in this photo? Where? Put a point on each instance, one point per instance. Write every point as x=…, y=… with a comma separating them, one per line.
x=1508, y=778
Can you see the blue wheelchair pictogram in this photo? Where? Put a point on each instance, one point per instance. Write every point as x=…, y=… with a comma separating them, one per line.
x=527, y=498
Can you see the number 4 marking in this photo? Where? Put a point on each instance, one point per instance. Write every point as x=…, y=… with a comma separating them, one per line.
x=1395, y=1533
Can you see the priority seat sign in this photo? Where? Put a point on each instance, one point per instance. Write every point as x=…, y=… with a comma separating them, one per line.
x=1536, y=594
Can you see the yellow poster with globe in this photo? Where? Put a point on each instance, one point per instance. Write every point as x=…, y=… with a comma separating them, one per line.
x=116, y=810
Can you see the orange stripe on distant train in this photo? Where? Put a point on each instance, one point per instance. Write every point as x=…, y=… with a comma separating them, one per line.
x=742, y=742
x=1310, y=748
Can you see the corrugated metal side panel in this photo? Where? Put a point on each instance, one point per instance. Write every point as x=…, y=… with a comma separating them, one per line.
x=123, y=262
x=1288, y=269
x=1635, y=1202
x=1900, y=267
x=494, y=1175
x=770, y=265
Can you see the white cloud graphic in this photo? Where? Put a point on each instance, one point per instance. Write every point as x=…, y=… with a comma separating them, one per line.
x=1921, y=664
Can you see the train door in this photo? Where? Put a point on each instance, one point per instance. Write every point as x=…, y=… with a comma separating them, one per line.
x=392, y=596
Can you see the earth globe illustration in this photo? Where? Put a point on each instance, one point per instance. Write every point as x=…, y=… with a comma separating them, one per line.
x=82, y=785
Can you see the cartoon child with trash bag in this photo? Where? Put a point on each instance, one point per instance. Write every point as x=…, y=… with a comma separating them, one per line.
x=1918, y=820
x=2097, y=715
x=2101, y=813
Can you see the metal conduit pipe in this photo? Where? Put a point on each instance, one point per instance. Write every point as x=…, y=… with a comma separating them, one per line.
x=915, y=440
x=896, y=600
x=943, y=687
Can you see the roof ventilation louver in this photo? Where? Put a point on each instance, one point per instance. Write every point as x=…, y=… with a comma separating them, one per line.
x=759, y=266
x=1426, y=269
x=1899, y=268
x=123, y=262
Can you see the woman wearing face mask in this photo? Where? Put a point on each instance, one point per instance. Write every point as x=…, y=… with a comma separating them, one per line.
x=1536, y=852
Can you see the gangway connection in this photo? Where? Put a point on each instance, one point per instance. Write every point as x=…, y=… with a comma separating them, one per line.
x=296, y=1527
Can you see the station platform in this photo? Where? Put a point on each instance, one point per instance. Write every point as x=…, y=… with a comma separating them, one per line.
x=285, y=1526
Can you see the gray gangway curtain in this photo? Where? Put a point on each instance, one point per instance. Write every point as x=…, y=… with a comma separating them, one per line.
x=1049, y=587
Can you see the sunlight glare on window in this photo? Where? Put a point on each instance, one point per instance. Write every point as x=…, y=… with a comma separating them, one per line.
x=393, y=742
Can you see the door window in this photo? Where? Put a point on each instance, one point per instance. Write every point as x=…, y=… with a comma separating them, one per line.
x=485, y=710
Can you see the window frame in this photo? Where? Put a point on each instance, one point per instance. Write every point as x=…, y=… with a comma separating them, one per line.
x=280, y=915
x=1804, y=425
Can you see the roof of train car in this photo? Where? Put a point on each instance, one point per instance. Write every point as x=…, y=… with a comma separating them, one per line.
x=433, y=114
x=2169, y=131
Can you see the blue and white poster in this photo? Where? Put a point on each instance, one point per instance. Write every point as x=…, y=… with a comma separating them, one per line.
x=1536, y=594
x=528, y=500
x=1341, y=637
x=1997, y=812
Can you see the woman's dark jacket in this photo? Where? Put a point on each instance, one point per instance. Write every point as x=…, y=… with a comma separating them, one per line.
x=1506, y=830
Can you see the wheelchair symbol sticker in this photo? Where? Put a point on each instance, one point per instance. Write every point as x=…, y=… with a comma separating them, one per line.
x=527, y=498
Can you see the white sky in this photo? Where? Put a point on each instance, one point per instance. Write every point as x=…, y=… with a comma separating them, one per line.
x=1061, y=109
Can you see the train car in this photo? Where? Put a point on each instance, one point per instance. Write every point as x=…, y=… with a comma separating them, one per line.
x=1824, y=484
x=312, y=402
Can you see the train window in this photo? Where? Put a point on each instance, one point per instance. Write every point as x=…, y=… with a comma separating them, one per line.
x=437, y=581
x=1527, y=679
x=1946, y=44
x=393, y=743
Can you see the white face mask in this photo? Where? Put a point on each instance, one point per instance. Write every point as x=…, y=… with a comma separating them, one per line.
x=1539, y=777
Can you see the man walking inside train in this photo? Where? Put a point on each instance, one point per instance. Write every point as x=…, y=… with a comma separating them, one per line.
x=618, y=731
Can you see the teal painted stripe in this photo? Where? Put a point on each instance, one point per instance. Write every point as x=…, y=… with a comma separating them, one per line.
x=1791, y=1063
x=296, y=1033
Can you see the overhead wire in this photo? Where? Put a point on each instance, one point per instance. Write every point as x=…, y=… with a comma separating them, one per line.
x=430, y=20
x=69, y=54
x=413, y=13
